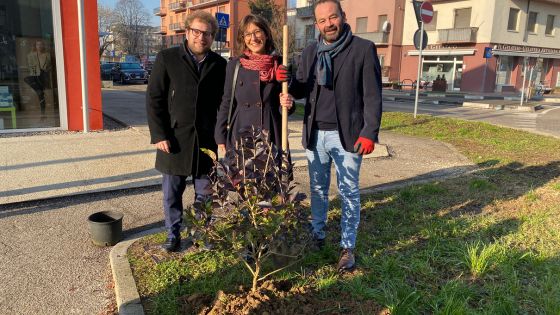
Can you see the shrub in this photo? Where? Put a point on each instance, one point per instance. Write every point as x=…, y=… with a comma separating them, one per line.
x=255, y=210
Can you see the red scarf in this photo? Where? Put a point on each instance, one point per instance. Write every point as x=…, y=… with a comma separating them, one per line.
x=265, y=64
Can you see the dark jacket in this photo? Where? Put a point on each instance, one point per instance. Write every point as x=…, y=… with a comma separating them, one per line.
x=182, y=106
x=251, y=107
x=357, y=89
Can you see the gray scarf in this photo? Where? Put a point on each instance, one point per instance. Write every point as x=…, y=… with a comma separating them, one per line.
x=325, y=54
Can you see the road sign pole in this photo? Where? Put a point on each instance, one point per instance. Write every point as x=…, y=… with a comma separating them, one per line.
x=419, y=68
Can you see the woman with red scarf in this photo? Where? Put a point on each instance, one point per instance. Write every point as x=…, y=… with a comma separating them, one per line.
x=256, y=99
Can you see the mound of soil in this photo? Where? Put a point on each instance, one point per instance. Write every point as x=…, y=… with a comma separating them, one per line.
x=276, y=297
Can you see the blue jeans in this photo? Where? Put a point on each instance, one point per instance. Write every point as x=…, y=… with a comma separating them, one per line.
x=324, y=149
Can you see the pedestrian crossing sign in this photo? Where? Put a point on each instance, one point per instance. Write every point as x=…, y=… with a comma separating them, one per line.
x=223, y=20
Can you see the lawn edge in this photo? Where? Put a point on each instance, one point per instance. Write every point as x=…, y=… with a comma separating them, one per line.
x=126, y=292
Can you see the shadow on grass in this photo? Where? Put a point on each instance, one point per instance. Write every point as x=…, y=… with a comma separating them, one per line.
x=461, y=245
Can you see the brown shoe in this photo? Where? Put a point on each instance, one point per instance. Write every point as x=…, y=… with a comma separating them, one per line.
x=347, y=261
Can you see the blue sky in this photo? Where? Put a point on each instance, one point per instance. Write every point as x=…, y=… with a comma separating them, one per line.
x=149, y=4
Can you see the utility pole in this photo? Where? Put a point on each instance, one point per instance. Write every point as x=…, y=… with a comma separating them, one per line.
x=525, y=63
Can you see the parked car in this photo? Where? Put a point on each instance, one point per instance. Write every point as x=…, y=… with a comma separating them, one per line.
x=106, y=70
x=128, y=72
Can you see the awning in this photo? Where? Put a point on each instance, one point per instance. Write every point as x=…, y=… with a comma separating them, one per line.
x=446, y=52
x=524, y=54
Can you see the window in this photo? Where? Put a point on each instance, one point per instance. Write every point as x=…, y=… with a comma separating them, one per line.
x=550, y=25
x=361, y=24
x=28, y=66
x=433, y=24
x=463, y=18
x=532, y=24
x=513, y=20
x=505, y=67
x=380, y=21
x=309, y=32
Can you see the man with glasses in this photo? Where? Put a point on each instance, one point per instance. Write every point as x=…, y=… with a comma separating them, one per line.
x=340, y=78
x=182, y=100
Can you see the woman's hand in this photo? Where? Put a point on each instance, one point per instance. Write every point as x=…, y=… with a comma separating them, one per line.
x=286, y=100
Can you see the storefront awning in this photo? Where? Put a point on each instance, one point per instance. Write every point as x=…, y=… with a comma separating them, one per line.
x=446, y=52
x=524, y=54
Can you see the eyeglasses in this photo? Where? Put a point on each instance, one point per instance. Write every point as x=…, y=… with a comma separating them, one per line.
x=256, y=33
x=198, y=33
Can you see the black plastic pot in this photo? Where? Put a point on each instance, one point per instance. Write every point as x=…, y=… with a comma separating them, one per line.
x=105, y=227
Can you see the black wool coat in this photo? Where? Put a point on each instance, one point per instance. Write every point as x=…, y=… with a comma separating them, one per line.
x=357, y=89
x=182, y=106
x=252, y=106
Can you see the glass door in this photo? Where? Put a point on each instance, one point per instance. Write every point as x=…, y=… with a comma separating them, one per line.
x=28, y=81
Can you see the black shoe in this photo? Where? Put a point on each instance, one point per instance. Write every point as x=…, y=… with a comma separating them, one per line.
x=318, y=243
x=172, y=244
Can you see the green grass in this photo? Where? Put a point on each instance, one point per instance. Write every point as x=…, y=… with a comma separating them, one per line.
x=483, y=243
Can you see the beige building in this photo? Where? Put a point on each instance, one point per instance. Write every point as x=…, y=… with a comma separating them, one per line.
x=174, y=12
x=519, y=32
x=382, y=24
x=300, y=20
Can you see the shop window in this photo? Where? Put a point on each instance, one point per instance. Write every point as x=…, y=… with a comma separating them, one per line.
x=380, y=21
x=361, y=24
x=432, y=26
x=505, y=67
x=463, y=18
x=550, y=25
x=513, y=20
x=532, y=23
x=28, y=81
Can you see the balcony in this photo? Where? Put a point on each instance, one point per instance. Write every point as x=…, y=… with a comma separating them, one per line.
x=160, y=11
x=457, y=35
x=197, y=4
x=378, y=38
x=305, y=12
x=177, y=27
x=178, y=6
x=162, y=30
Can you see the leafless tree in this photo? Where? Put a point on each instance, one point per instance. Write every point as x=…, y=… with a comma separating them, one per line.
x=105, y=21
x=275, y=16
x=131, y=21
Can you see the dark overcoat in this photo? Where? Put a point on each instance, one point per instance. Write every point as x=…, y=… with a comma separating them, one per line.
x=253, y=106
x=357, y=89
x=182, y=106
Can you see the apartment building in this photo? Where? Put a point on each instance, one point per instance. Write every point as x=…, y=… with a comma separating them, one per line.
x=382, y=24
x=174, y=12
x=523, y=36
x=300, y=20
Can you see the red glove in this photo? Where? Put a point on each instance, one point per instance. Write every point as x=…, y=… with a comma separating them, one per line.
x=364, y=146
x=282, y=73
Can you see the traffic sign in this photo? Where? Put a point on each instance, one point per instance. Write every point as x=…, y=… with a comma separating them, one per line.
x=416, y=5
x=417, y=40
x=488, y=52
x=426, y=12
x=223, y=20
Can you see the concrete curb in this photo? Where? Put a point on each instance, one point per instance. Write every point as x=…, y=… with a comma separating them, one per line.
x=127, y=296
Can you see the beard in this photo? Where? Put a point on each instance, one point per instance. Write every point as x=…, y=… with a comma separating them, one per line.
x=199, y=48
x=331, y=37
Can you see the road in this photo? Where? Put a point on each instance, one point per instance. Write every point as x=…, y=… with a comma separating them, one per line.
x=545, y=121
